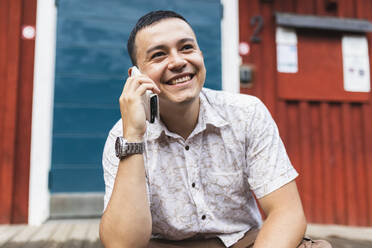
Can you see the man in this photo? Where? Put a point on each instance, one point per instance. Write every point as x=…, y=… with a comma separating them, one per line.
x=189, y=175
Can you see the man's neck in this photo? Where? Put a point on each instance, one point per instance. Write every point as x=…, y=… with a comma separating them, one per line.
x=181, y=119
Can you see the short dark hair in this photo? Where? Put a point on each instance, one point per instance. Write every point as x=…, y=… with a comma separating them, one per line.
x=147, y=20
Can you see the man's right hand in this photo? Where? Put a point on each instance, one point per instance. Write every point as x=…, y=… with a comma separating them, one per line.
x=131, y=106
x=127, y=220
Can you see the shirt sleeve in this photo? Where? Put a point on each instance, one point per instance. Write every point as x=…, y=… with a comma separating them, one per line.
x=110, y=166
x=268, y=166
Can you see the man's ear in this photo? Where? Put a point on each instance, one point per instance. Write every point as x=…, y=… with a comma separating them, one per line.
x=130, y=71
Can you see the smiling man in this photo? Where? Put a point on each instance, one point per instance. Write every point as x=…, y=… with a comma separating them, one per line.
x=189, y=179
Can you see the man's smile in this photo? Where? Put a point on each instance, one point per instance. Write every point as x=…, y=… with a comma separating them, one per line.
x=179, y=79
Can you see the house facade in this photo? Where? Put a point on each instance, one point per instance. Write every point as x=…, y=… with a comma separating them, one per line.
x=63, y=64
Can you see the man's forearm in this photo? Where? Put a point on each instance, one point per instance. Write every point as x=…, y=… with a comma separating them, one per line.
x=282, y=228
x=127, y=219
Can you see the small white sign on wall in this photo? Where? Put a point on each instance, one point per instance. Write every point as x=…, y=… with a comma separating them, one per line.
x=286, y=50
x=355, y=62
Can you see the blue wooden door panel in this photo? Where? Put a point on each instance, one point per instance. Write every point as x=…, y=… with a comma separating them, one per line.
x=91, y=63
x=76, y=180
x=102, y=32
x=70, y=150
x=68, y=90
x=83, y=121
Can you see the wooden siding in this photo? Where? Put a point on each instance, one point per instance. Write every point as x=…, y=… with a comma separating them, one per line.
x=329, y=142
x=16, y=85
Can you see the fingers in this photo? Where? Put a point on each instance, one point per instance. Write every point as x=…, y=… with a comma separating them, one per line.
x=135, y=81
x=147, y=86
x=135, y=87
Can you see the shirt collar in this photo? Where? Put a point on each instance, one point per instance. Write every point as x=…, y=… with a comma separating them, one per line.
x=207, y=115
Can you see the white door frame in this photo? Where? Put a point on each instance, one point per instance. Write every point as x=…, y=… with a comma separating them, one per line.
x=42, y=112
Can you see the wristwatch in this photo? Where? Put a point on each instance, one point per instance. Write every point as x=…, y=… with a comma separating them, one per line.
x=123, y=148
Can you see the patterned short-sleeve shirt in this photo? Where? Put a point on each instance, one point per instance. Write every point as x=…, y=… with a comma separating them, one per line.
x=202, y=186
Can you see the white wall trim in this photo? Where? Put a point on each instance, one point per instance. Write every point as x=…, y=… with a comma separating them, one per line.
x=230, y=44
x=42, y=112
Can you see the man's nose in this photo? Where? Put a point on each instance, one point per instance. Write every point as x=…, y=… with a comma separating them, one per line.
x=176, y=62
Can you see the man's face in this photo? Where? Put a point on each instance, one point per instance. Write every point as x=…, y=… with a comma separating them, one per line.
x=167, y=52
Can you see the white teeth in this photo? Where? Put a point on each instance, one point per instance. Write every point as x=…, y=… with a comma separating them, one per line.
x=180, y=80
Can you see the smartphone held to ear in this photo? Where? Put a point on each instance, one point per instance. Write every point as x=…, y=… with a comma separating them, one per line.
x=150, y=101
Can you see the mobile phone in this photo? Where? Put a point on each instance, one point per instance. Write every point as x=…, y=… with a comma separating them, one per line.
x=149, y=99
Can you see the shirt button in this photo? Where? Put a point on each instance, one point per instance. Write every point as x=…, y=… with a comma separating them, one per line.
x=187, y=148
x=203, y=217
x=193, y=185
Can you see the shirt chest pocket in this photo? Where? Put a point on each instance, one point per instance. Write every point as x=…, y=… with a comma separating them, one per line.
x=226, y=187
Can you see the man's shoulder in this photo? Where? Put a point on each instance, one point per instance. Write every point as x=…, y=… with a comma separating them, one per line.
x=229, y=100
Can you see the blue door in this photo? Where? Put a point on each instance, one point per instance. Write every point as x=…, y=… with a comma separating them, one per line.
x=91, y=63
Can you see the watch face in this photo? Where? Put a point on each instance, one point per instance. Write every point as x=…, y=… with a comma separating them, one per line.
x=117, y=147
x=123, y=148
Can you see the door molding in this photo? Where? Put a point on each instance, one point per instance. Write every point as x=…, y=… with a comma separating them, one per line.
x=229, y=43
x=42, y=112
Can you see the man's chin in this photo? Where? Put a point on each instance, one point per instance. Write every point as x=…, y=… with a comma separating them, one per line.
x=180, y=100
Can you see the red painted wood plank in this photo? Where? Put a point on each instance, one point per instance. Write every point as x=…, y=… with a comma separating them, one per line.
x=338, y=166
x=329, y=202
x=306, y=159
x=367, y=120
x=3, y=81
x=286, y=5
x=359, y=162
x=305, y=7
x=281, y=113
x=348, y=148
x=10, y=107
x=3, y=59
x=269, y=59
x=361, y=9
x=24, y=118
x=317, y=166
x=293, y=134
x=320, y=8
x=346, y=8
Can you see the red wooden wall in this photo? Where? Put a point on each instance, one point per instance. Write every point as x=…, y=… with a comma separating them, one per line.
x=329, y=142
x=16, y=85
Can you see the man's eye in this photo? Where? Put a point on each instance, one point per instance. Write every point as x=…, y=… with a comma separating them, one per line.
x=157, y=54
x=187, y=47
